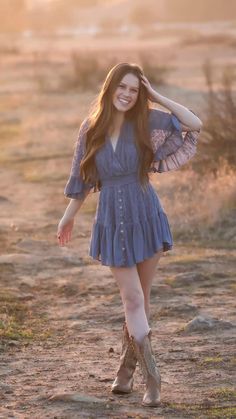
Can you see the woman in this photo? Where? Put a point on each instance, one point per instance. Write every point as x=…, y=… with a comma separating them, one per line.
x=121, y=141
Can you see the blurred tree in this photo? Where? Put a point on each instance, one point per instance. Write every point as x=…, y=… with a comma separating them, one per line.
x=154, y=70
x=202, y=10
x=141, y=15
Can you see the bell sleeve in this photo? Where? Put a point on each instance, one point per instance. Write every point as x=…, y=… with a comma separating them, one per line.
x=76, y=187
x=172, y=148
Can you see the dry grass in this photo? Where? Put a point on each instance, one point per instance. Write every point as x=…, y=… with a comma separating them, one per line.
x=8, y=48
x=18, y=322
x=211, y=39
x=200, y=203
x=9, y=131
x=220, y=124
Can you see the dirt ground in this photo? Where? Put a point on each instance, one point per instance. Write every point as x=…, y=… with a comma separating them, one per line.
x=61, y=314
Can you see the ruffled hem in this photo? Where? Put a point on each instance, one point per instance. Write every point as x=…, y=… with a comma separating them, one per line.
x=140, y=240
x=75, y=188
x=181, y=150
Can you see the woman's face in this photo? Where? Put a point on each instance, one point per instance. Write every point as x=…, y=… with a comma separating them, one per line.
x=126, y=93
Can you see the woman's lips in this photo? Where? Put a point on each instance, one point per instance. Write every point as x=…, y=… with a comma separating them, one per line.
x=124, y=101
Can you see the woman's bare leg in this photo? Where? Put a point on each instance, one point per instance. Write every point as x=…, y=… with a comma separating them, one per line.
x=133, y=300
x=146, y=271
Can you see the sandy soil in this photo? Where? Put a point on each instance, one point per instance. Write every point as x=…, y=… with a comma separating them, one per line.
x=59, y=358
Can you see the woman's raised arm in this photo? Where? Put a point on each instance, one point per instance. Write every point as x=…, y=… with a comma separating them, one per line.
x=185, y=116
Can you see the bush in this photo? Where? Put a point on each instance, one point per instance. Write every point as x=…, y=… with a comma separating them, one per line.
x=156, y=74
x=87, y=72
x=220, y=121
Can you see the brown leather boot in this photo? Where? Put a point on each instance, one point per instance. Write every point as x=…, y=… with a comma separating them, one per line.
x=123, y=382
x=149, y=369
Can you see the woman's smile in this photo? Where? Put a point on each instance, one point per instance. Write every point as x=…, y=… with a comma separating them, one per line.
x=124, y=101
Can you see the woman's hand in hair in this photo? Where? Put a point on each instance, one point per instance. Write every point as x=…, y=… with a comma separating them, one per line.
x=152, y=94
x=188, y=119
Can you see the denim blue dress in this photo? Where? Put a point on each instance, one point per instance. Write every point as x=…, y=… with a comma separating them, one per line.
x=130, y=224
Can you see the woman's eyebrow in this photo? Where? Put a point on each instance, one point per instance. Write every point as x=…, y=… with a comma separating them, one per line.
x=132, y=87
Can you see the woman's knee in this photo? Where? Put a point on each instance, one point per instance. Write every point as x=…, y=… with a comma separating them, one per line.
x=130, y=287
x=133, y=299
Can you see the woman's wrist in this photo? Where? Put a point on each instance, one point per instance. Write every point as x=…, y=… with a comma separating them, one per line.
x=66, y=218
x=72, y=209
x=157, y=98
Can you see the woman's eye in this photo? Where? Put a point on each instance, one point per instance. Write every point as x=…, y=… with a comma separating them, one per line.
x=132, y=90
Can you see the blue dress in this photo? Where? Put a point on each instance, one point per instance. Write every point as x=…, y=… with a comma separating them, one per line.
x=130, y=224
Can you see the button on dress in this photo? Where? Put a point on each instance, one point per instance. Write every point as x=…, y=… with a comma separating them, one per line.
x=130, y=224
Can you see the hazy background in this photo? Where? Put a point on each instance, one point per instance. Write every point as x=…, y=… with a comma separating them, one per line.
x=47, y=15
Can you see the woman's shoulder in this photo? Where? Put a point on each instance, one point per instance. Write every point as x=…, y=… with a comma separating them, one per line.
x=84, y=125
x=83, y=128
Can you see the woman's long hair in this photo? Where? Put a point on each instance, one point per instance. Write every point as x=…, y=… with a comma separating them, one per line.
x=100, y=119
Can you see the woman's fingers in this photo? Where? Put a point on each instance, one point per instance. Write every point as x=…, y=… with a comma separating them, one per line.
x=60, y=236
x=61, y=240
x=64, y=234
x=145, y=80
x=64, y=237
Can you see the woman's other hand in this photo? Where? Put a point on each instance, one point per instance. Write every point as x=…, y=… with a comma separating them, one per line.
x=152, y=94
x=64, y=230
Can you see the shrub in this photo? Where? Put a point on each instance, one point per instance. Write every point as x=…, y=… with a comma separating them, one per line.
x=156, y=74
x=220, y=121
x=87, y=72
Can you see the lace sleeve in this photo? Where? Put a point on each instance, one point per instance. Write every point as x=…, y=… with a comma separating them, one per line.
x=76, y=187
x=171, y=147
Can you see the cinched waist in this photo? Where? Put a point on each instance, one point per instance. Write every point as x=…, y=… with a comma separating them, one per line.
x=120, y=180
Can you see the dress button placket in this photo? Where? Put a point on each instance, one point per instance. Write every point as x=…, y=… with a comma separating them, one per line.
x=121, y=223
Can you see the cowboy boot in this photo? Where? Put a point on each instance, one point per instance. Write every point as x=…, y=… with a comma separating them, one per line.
x=123, y=382
x=149, y=370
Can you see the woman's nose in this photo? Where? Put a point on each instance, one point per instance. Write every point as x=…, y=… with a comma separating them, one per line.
x=127, y=93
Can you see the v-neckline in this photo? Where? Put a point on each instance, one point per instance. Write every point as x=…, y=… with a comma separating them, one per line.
x=118, y=139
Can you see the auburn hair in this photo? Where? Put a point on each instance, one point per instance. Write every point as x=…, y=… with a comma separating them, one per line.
x=101, y=115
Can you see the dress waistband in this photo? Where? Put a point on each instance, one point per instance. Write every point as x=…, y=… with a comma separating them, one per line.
x=120, y=180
